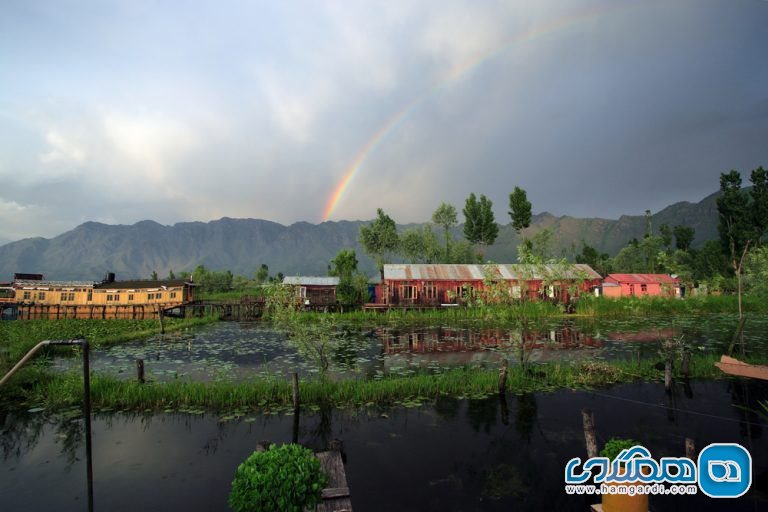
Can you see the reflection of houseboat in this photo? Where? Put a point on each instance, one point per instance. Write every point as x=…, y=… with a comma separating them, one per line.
x=442, y=339
x=441, y=284
x=30, y=296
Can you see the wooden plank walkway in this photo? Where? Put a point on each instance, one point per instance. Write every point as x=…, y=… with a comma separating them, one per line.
x=336, y=495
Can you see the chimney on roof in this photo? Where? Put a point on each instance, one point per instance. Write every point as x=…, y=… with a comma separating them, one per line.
x=109, y=277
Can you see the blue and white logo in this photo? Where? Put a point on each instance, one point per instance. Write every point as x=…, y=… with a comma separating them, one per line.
x=725, y=470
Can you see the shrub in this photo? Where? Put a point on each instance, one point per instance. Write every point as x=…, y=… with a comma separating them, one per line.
x=286, y=478
x=614, y=446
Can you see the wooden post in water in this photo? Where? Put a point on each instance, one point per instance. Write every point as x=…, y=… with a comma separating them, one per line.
x=160, y=317
x=295, y=379
x=668, y=375
x=503, y=375
x=140, y=370
x=296, y=404
x=686, y=365
x=690, y=448
x=588, y=418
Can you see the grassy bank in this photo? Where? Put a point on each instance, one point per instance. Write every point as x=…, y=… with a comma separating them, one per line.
x=650, y=306
x=515, y=314
x=60, y=391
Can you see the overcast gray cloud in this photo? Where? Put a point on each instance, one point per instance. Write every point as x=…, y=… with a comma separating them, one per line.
x=122, y=111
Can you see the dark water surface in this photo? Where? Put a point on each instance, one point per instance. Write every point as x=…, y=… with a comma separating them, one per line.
x=489, y=454
x=238, y=351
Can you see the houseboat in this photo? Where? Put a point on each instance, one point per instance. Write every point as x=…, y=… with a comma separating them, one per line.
x=444, y=284
x=30, y=296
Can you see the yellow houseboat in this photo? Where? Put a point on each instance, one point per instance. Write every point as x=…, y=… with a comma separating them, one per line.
x=38, y=298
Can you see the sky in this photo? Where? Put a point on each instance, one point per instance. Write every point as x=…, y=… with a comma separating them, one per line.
x=120, y=111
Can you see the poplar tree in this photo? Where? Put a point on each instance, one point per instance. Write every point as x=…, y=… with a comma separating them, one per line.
x=519, y=209
x=480, y=225
x=379, y=239
x=445, y=216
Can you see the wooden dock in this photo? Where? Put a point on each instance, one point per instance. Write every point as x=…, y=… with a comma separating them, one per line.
x=336, y=497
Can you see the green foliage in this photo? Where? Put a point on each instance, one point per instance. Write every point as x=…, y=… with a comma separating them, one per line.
x=286, y=478
x=519, y=209
x=615, y=445
x=262, y=274
x=600, y=262
x=736, y=227
x=446, y=217
x=479, y=225
x=759, y=207
x=641, y=256
x=537, y=249
x=420, y=245
x=211, y=281
x=379, y=238
x=756, y=272
x=683, y=237
x=666, y=235
x=353, y=286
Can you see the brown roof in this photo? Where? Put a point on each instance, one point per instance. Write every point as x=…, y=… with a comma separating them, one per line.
x=124, y=285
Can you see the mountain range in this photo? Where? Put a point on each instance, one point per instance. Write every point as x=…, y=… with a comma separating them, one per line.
x=242, y=245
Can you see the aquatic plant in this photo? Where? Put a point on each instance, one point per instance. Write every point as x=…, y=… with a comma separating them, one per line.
x=286, y=478
x=614, y=446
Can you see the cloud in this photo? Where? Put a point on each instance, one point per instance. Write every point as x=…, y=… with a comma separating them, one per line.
x=62, y=149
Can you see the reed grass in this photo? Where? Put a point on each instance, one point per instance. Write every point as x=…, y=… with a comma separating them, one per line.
x=60, y=391
x=650, y=306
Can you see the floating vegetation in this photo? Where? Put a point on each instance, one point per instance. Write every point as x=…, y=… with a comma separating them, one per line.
x=236, y=400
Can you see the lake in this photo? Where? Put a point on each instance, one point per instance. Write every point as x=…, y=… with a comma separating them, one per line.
x=488, y=454
x=228, y=350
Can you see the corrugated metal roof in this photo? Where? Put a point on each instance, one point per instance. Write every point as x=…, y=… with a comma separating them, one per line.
x=642, y=278
x=468, y=272
x=142, y=284
x=311, y=281
x=54, y=284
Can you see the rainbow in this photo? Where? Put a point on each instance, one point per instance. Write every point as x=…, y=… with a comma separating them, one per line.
x=402, y=114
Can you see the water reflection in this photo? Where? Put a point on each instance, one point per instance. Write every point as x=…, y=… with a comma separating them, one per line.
x=229, y=350
x=454, y=455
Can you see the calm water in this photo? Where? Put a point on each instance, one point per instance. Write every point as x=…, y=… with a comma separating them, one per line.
x=488, y=454
x=236, y=351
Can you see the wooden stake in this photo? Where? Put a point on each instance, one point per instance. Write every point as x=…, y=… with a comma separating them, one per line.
x=588, y=418
x=668, y=375
x=686, y=365
x=140, y=370
x=503, y=375
x=295, y=378
x=690, y=448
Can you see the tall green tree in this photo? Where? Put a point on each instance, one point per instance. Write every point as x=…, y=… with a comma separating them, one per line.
x=445, y=216
x=480, y=225
x=683, y=237
x=666, y=235
x=519, y=209
x=759, y=196
x=736, y=226
x=379, y=239
x=420, y=245
x=351, y=289
x=261, y=276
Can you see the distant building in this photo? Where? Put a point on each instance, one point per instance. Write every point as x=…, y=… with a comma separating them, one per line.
x=444, y=284
x=641, y=285
x=314, y=291
x=38, y=298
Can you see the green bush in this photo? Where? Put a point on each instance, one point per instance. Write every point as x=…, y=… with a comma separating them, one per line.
x=286, y=478
x=614, y=446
